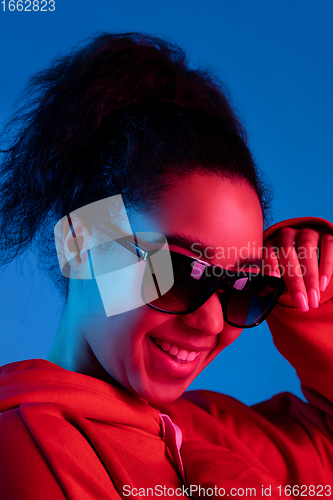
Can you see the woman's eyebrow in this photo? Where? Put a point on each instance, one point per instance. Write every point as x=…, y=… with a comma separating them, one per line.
x=188, y=243
x=249, y=261
x=195, y=245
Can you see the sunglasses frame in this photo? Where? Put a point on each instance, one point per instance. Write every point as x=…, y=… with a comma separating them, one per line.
x=225, y=282
x=221, y=282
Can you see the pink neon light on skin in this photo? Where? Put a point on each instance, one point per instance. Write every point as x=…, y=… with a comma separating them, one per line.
x=206, y=208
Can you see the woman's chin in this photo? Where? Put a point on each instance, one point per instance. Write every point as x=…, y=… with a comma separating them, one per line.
x=161, y=395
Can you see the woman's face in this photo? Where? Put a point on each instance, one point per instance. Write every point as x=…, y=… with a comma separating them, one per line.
x=142, y=348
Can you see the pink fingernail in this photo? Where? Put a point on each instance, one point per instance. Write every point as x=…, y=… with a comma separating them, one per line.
x=323, y=282
x=301, y=301
x=313, y=298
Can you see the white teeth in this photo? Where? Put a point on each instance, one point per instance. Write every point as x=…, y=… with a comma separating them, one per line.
x=181, y=354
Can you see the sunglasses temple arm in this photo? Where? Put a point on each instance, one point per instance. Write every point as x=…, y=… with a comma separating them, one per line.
x=123, y=241
x=154, y=277
x=73, y=234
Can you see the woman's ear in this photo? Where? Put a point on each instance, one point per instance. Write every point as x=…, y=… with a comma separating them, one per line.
x=77, y=241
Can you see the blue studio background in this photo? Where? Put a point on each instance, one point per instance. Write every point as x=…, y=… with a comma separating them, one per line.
x=276, y=58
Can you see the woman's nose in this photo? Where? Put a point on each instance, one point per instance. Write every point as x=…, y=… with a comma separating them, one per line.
x=208, y=318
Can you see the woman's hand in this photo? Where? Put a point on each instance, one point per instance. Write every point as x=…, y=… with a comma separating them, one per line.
x=293, y=254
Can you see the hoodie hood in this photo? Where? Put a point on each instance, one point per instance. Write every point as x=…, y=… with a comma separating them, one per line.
x=78, y=433
x=40, y=381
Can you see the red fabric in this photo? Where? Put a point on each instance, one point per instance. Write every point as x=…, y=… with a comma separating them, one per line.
x=65, y=435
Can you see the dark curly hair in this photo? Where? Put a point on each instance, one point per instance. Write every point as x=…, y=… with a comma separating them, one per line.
x=118, y=115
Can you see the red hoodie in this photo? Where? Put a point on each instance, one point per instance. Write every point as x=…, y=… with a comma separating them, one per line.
x=65, y=435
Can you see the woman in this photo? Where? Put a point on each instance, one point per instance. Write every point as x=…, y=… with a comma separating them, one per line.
x=142, y=166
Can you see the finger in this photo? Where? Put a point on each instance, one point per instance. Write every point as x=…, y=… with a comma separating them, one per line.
x=307, y=241
x=270, y=260
x=326, y=261
x=290, y=268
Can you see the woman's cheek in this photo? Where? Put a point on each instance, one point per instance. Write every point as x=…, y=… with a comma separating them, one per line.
x=227, y=337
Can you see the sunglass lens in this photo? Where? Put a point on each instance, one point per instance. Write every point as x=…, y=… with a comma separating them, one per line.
x=248, y=306
x=188, y=286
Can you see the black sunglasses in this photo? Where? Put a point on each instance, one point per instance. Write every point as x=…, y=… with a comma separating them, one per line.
x=246, y=301
x=247, y=298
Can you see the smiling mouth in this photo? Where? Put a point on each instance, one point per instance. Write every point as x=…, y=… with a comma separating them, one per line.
x=177, y=353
